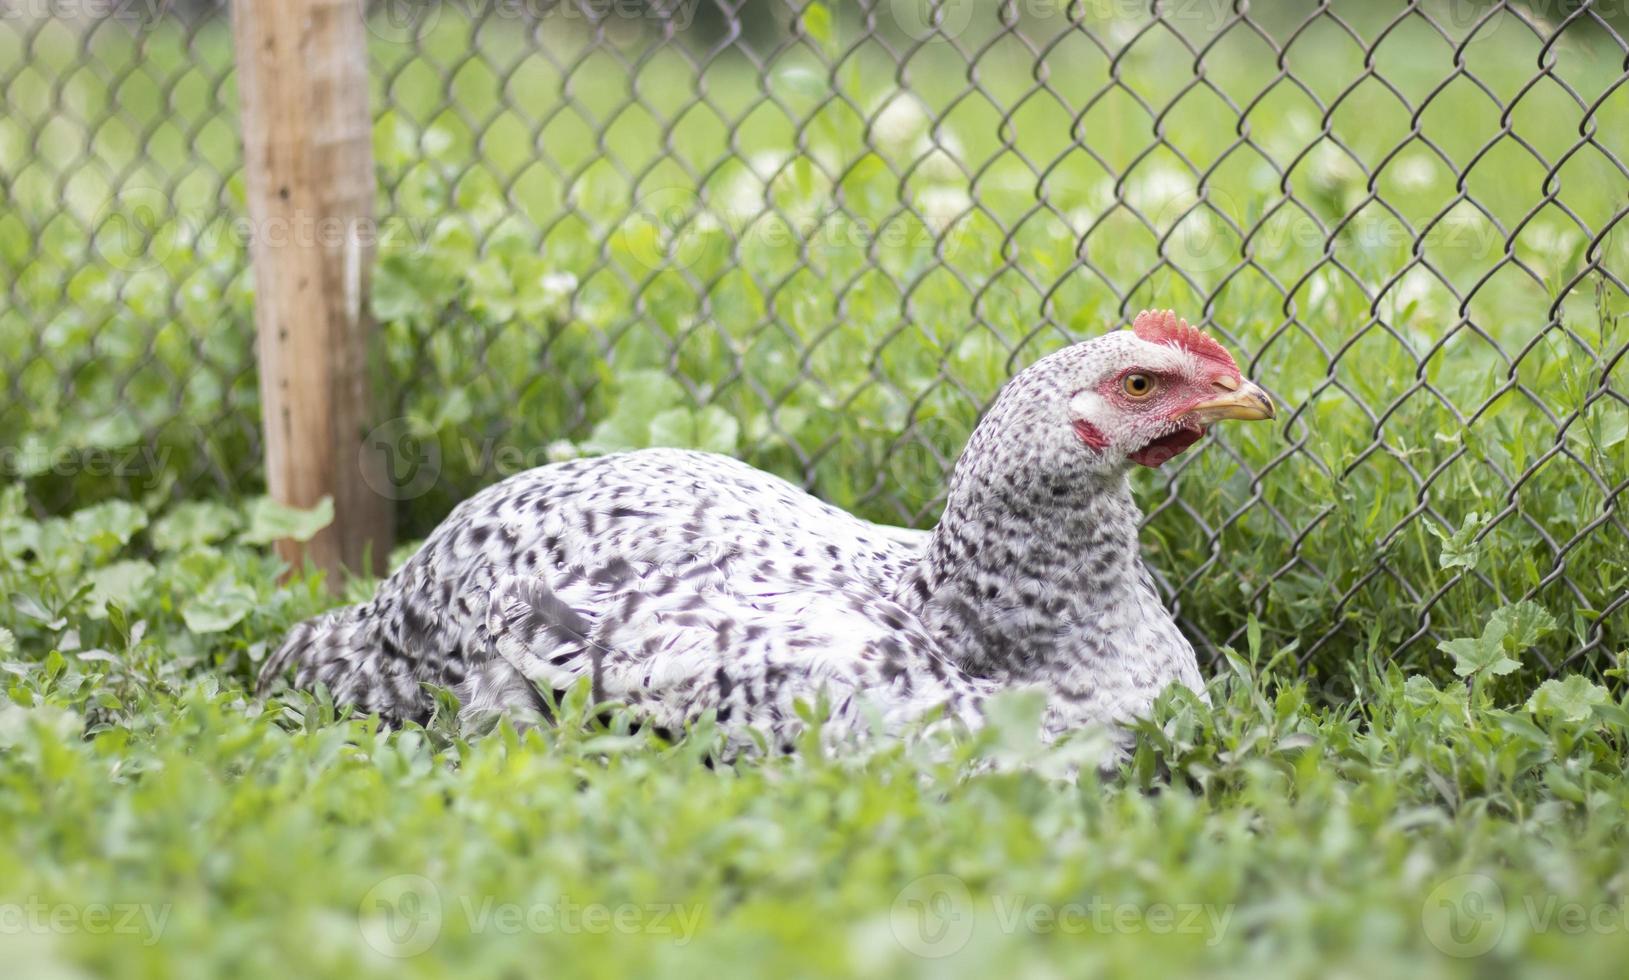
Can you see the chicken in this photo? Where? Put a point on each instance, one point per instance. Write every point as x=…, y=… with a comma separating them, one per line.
x=679, y=583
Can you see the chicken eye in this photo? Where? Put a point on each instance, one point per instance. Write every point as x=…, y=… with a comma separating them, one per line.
x=1138, y=385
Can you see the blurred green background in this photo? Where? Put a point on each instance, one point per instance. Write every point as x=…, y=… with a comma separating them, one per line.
x=821, y=238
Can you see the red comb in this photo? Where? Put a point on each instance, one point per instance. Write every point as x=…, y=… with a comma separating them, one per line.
x=1165, y=327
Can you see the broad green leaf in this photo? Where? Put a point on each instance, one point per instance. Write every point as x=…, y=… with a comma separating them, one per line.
x=1573, y=698
x=271, y=521
x=219, y=607
x=1014, y=720
x=454, y=408
x=673, y=427
x=193, y=523
x=617, y=433
x=1524, y=624
x=1615, y=429
x=716, y=430
x=647, y=392
x=1419, y=690
x=711, y=429
x=13, y=502
x=123, y=582
x=395, y=293
x=491, y=290
x=641, y=397
x=107, y=527
x=109, y=432
x=1480, y=655
x=1459, y=550
x=37, y=454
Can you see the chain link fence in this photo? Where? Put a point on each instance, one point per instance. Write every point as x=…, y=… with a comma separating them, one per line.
x=819, y=236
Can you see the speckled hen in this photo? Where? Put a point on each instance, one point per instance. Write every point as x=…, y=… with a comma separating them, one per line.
x=682, y=582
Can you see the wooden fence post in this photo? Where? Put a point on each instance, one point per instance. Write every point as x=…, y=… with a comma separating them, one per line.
x=302, y=75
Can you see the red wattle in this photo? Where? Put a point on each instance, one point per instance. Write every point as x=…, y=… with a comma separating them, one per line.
x=1090, y=434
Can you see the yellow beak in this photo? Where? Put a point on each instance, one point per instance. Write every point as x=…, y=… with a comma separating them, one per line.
x=1246, y=401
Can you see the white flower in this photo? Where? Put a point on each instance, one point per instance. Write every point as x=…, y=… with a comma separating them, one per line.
x=1331, y=167
x=1300, y=123
x=1551, y=240
x=1317, y=292
x=744, y=197
x=1286, y=135
x=1415, y=174
x=1159, y=186
x=1101, y=196
x=766, y=164
x=1547, y=246
x=559, y=286
x=938, y=159
x=560, y=450
x=1122, y=32
x=747, y=194
x=941, y=207
x=1077, y=220
x=704, y=223
x=775, y=182
x=1419, y=287
x=900, y=121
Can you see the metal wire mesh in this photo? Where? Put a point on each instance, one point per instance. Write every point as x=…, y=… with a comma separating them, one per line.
x=820, y=236
x=126, y=334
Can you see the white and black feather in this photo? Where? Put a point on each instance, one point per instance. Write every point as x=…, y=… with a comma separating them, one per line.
x=680, y=582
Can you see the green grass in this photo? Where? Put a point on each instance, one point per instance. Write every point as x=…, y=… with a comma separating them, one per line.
x=1271, y=833
x=595, y=273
